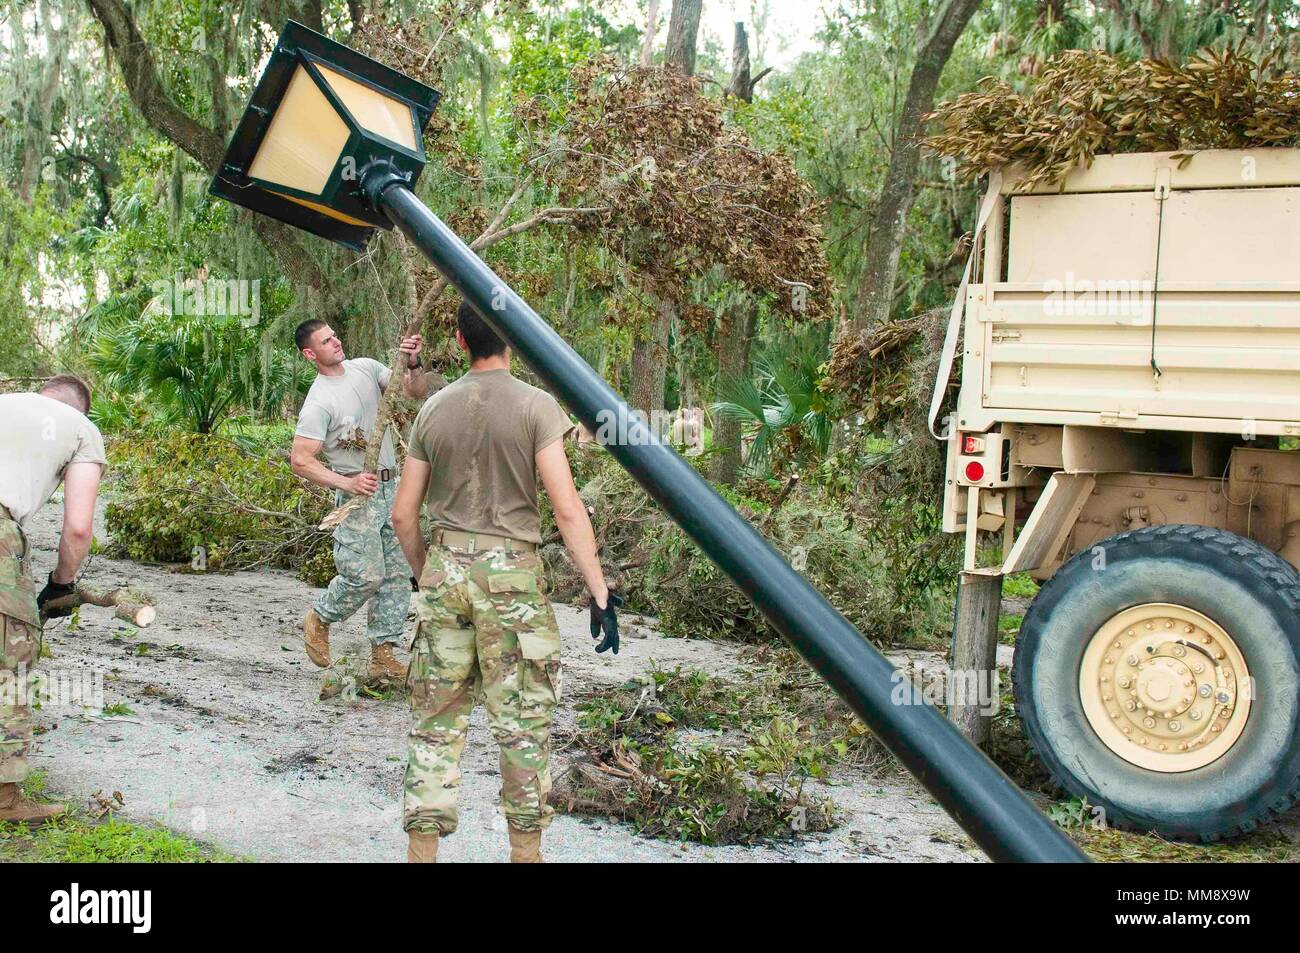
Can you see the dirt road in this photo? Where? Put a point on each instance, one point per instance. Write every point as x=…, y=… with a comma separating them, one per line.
x=227, y=741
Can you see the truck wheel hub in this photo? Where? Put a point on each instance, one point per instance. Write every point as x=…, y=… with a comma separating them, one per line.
x=1165, y=687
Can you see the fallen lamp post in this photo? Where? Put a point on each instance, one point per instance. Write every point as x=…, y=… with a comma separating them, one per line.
x=331, y=143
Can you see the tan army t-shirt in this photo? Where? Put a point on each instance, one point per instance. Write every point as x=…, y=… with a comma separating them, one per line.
x=480, y=436
x=39, y=437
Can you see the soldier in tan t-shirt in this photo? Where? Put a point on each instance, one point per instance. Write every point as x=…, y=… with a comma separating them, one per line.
x=478, y=450
x=45, y=439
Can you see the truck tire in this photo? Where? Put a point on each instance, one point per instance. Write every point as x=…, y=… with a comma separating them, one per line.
x=1157, y=677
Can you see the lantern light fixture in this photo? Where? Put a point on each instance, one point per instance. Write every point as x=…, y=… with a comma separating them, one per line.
x=321, y=117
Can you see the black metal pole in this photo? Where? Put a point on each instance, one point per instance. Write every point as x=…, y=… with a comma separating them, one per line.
x=969, y=786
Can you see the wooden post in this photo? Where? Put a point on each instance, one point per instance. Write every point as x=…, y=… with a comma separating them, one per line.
x=973, y=664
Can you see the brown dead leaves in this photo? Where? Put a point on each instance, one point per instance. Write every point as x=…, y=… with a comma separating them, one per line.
x=1088, y=102
x=683, y=190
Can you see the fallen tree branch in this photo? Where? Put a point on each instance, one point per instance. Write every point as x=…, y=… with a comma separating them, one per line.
x=131, y=604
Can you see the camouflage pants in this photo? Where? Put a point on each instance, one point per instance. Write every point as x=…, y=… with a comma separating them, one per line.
x=371, y=568
x=486, y=630
x=19, y=633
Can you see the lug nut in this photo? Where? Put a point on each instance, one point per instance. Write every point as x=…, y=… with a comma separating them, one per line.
x=1194, y=714
x=1149, y=722
x=1205, y=691
x=1175, y=726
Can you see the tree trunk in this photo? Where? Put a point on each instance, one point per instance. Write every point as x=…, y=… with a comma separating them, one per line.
x=650, y=349
x=648, y=38
x=735, y=332
x=650, y=361
x=735, y=336
x=741, y=87
x=889, y=220
x=683, y=26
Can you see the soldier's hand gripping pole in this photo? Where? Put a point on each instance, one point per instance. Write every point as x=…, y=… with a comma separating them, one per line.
x=967, y=784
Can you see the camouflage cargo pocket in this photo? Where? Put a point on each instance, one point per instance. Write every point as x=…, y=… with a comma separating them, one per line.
x=539, y=688
x=443, y=660
x=18, y=641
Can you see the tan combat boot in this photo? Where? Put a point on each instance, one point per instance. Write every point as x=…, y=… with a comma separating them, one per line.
x=22, y=811
x=383, y=664
x=316, y=632
x=525, y=847
x=421, y=848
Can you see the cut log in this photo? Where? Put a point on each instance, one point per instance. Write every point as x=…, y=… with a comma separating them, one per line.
x=130, y=604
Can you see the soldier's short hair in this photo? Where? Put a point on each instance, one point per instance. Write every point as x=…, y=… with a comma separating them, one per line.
x=70, y=385
x=479, y=337
x=302, y=334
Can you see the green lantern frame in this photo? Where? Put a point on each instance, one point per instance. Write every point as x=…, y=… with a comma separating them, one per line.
x=339, y=211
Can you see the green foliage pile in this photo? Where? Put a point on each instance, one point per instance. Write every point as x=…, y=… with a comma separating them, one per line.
x=1088, y=102
x=240, y=502
x=648, y=765
x=878, y=556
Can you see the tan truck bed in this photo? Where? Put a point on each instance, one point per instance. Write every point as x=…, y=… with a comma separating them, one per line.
x=1059, y=323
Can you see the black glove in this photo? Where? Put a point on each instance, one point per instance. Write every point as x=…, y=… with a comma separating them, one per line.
x=606, y=621
x=55, y=590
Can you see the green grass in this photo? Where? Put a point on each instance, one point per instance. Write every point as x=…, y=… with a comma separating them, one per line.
x=77, y=838
x=72, y=839
x=1019, y=586
x=1009, y=628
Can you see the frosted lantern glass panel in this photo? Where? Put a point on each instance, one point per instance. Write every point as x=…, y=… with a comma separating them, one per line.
x=375, y=112
x=304, y=141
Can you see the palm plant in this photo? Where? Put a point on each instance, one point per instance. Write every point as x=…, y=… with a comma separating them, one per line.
x=781, y=408
x=199, y=367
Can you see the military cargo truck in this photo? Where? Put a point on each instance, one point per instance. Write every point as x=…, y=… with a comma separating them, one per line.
x=1127, y=431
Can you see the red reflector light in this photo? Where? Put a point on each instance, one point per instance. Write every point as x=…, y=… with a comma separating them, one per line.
x=969, y=444
x=974, y=471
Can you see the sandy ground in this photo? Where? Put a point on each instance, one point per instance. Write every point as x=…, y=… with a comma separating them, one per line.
x=227, y=740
